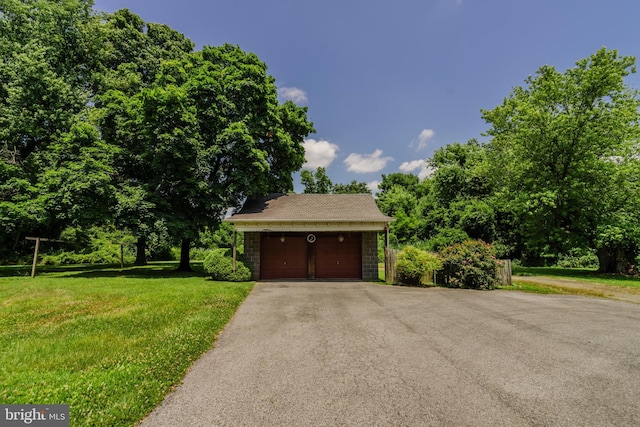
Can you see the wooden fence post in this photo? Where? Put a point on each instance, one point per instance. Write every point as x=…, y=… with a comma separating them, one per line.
x=505, y=272
x=35, y=252
x=235, y=234
x=35, y=258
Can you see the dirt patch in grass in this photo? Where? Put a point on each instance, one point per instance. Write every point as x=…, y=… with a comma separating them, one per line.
x=584, y=288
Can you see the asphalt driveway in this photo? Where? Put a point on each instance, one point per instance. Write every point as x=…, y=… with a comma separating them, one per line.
x=352, y=353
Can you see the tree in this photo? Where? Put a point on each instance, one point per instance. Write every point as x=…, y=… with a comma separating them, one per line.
x=556, y=150
x=354, y=187
x=316, y=183
x=48, y=59
x=408, y=181
x=320, y=183
x=206, y=134
x=460, y=172
x=399, y=202
x=132, y=53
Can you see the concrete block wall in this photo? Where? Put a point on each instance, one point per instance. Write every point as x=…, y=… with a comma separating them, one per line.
x=252, y=253
x=370, y=255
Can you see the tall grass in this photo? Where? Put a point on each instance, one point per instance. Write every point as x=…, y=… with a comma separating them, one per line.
x=110, y=343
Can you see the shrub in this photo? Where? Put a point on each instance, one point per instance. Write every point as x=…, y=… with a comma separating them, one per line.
x=413, y=264
x=97, y=257
x=578, y=259
x=219, y=264
x=471, y=264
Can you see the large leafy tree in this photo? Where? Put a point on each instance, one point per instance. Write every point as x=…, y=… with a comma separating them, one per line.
x=132, y=52
x=207, y=133
x=52, y=167
x=557, y=148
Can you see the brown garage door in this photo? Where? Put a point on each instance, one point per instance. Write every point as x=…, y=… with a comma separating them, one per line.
x=283, y=259
x=339, y=256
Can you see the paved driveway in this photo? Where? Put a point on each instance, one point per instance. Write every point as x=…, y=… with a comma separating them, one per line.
x=351, y=353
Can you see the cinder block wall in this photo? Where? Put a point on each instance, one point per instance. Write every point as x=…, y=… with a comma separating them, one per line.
x=370, y=255
x=252, y=253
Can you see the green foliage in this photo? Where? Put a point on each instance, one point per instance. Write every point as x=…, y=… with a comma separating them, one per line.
x=316, y=182
x=94, y=245
x=413, y=264
x=471, y=264
x=319, y=183
x=219, y=264
x=559, y=150
x=205, y=134
x=408, y=181
x=445, y=237
x=220, y=237
x=578, y=258
x=460, y=172
x=354, y=187
x=48, y=57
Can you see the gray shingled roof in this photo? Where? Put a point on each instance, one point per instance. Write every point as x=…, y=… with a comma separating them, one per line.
x=311, y=207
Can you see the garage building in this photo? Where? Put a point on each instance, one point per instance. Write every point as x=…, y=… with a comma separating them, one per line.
x=311, y=236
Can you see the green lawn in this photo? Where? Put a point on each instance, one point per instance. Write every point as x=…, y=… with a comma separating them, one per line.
x=579, y=275
x=110, y=343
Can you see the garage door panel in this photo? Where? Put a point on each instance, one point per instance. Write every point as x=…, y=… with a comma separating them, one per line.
x=283, y=259
x=336, y=259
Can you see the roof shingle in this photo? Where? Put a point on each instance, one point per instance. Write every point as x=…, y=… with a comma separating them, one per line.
x=311, y=207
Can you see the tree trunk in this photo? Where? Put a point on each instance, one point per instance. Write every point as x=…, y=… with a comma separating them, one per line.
x=141, y=249
x=184, y=255
x=616, y=260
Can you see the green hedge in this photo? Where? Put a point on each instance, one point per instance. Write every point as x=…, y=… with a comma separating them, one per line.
x=219, y=264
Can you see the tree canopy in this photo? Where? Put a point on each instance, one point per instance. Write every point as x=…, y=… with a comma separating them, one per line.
x=319, y=183
x=106, y=118
x=560, y=150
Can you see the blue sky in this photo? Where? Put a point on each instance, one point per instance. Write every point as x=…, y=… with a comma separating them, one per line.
x=388, y=82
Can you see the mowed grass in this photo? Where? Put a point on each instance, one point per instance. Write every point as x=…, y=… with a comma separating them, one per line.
x=579, y=275
x=110, y=343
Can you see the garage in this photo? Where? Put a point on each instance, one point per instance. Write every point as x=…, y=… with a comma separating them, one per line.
x=311, y=236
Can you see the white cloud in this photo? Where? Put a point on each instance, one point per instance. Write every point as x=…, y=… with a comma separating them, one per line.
x=318, y=153
x=373, y=186
x=413, y=165
x=425, y=172
x=293, y=93
x=426, y=135
x=365, y=163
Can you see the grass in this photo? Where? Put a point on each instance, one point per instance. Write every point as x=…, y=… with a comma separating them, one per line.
x=108, y=342
x=534, y=288
x=381, y=272
x=579, y=275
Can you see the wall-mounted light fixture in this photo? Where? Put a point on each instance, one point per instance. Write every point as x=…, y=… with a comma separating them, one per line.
x=341, y=238
x=282, y=239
